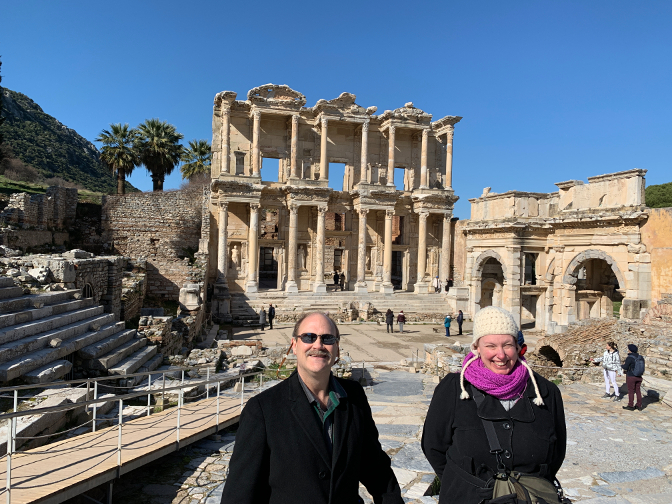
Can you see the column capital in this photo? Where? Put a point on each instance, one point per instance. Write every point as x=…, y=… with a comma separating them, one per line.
x=389, y=213
x=256, y=114
x=365, y=126
x=295, y=118
x=255, y=206
x=324, y=121
x=322, y=209
x=293, y=208
x=425, y=134
x=423, y=214
x=363, y=211
x=223, y=204
x=392, y=129
x=226, y=110
x=450, y=131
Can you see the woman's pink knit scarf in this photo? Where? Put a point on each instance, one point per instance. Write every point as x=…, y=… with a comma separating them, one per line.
x=500, y=386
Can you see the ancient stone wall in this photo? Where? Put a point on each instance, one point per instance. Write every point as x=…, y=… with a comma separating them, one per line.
x=164, y=228
x=657, y=236
x=53, y=210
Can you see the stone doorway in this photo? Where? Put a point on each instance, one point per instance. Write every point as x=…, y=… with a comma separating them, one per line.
x=268, y=269
x=397, y=269
x=597, y=289
x=492, y=281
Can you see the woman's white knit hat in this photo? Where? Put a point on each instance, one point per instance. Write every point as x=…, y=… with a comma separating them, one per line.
x=493, y=320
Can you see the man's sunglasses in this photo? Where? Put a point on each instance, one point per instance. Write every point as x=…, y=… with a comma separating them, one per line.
x=309, y=338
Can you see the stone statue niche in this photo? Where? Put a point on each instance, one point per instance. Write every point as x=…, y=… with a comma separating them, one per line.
x=234, y=258
x=302, y=257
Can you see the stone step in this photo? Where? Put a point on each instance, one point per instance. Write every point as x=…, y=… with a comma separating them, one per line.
x=48, y=373
x=29, y=300
x=134, y=362
x=14, y=349
x=46, y=324
x=33, y=360
x=33, y=314
x=106, y=345
x=150, y=365
x=117, y=355
x=10, y=292
x=6, y=281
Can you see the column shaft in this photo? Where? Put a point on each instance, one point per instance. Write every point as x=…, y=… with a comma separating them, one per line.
x=423, y=160
x=253, y=248
x=320, y=286
x=324, y=161
x=387, y=257
x=422, y=248
x=448, y=182
x=293, y=251
x=445, y=248
x=361, y=253
x=226, y=135
x=363, y=171
x=390, y=157
x=222, y=251
x=256, y=129
x=294, y=145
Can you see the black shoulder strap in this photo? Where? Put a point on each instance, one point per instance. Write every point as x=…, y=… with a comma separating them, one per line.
x=489, y=426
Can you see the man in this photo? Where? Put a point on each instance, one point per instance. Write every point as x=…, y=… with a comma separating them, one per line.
x=336, y=280
x=271, y=315
x=460, y=320
x=312, y=437
x=634, y=369
x=401, y=320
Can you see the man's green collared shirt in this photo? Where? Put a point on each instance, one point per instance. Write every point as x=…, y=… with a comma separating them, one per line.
x=336, y=395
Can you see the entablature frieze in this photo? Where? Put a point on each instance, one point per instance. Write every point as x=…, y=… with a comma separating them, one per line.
x=235, y=191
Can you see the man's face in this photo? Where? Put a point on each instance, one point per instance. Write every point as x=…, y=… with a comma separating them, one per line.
x=315, y=358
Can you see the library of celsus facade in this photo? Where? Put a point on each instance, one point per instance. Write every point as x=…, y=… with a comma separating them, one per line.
x=291, y=234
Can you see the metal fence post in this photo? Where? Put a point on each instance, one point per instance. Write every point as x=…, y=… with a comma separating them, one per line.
x=261, y=380
x=88, y=392
x=163, y=392
x=242, y=392
x=179, y=408
x=207, y=385
x=95, y=405
x=217, y=417
x=14, y=420
x=149, y=393
x=10, y=442
x=121, y=419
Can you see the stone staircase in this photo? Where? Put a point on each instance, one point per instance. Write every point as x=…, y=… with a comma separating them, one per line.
x=43, y=335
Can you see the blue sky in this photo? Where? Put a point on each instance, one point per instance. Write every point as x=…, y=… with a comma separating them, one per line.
x=549, y=90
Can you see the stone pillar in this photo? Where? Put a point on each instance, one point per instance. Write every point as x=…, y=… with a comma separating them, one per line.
x=324, y=161
x=511, y=293
x=222, y=251
x=421, y=287
x=390, y=165
x=363, y=172
x=448, y=181
x=226, y=134
x=445, y=248
x=360, y=286
x=256, y=169
x=295, y=141
x=253, y=249
x=424, y=183
x=319, y=285
x=293, y=250
x=387, y=287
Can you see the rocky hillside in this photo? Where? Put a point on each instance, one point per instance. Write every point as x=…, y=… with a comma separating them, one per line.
x=55, y=150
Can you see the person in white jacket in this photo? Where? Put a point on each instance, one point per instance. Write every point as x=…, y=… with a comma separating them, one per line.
x=611, y=363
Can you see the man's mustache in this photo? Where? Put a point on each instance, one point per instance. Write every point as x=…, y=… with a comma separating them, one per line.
x=318, y=353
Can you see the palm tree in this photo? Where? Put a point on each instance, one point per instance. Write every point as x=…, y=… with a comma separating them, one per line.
x=118, y=152
x=159, y=149
x=196, y=158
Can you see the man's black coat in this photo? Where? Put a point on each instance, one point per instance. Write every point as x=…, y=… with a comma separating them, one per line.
x=280, y=455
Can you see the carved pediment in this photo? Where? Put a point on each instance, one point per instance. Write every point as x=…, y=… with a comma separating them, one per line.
x=276, y=94
x=344, y=104
x=408, y=111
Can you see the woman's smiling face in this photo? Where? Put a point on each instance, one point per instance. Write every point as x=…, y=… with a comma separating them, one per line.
x=498, y=352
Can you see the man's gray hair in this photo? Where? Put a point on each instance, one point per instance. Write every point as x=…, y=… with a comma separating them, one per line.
x=295, y=332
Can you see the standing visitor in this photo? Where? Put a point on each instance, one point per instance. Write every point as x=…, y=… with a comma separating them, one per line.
x=262, y=318
x=336, y=279
x=460, y=320
x=611, y=363
x=342, y=281
x=634, y=369
x=271, y=315
x=436, y=283
x=446, y=324
x=389, y=320
x=401, y=320
x=446, y=286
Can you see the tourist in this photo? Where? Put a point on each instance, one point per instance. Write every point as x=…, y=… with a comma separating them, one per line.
x=389, y=320
x=342, y=281
x=401, y=320
x=446, y=324
x=436, y=283
x=497, y=391
x=460, y=320
x=446, y=286
x=271, y=315
x=336, y=279
x=262, y=318
x=634, y=369
x=312, y=437
x=611, y=363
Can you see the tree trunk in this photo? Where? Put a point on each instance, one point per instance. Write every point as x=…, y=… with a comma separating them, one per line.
x=155, y=184
x=121, y=182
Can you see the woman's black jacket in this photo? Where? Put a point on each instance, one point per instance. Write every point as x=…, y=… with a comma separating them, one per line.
x=454, y=441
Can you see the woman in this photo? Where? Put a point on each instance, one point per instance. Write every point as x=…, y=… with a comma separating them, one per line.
x=389, y=320
x=611, y=362
x=495, y=390
x=446, y=324
x=262, y=318
x=401, y=320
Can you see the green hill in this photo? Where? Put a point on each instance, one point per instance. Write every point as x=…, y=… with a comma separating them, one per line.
x=41, y=141
x=659, y=196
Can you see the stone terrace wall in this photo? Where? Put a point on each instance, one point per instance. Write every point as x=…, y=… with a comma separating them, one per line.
x=162, y=227
x=657, y=236
x=53, y=210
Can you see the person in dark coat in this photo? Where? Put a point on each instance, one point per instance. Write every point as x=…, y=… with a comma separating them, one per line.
x=389, y=320
x=312, y=437
x=460, y=320
x=633, y=382
x=336, y=279
x=401, y=320
x=525, y=409
x=271, y=315
x=262, y=317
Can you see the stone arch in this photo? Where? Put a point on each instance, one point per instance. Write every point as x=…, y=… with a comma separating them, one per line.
x=571, y=274
x=484, y=256
x=550, y=271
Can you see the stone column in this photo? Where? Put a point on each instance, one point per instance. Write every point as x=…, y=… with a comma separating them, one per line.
x=226, y=134
x=360, y=286
x=448, y=182
x=363, y=172
x=253, y=249
x=319, y=285
x=295, y=141
x=256, y=169
x=421, y=286
x=390, y=161
x=423, y=160
x=293, y=250
x=386, y=287
x=445, y=248
x=324, y=162
x=222, y=251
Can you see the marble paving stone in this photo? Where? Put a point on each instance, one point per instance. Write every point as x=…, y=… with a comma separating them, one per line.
x=603, y=491
x=636, y=475
x=403, y=476
x=398, y=430
x=390, y=444
x=411, y=457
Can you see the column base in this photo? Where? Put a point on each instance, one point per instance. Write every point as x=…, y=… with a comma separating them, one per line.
x=251, y=287
x=421, y=288
x=361, y=288
x=320, y=287
x=386, y=288
x=291, y=287
x=221, y=304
